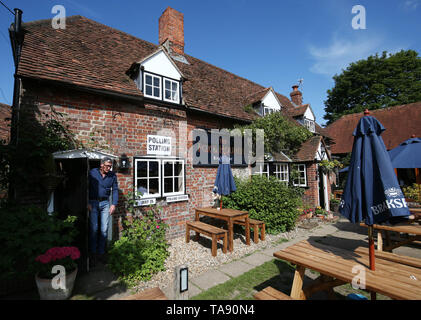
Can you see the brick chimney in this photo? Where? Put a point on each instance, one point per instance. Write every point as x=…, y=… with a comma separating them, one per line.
x=296, y=95
x=171, y=28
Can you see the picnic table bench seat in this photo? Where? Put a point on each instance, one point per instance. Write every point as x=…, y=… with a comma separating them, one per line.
x=211, y=231
x=255, y=224
x=389, y=256
x=270, y=293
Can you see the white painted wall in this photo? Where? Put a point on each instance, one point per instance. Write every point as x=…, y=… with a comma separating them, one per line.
x=270, y=100
x=159, y=63
x=309, y=115
x=319, y=152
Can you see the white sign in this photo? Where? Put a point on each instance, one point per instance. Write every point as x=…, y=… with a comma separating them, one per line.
x=145, y=202
x=159, y=145
x=183, y=197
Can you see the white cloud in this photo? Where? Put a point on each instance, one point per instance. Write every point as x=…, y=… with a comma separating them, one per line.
x=341, y=52
x=411, y=4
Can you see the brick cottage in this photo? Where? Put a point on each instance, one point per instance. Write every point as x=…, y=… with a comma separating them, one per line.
x=127, y=97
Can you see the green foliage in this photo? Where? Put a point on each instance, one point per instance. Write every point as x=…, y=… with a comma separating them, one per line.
x=320, y=211
x=413, y=192
x=330, y=165
x=25, y=233
x=280, y=133
x=376, y=82
x=268, y=200
x=142, y=249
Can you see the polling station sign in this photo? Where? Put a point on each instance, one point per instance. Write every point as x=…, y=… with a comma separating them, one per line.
x=159, y=145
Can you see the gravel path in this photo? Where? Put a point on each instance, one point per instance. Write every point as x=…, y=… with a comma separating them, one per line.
x=197, y=255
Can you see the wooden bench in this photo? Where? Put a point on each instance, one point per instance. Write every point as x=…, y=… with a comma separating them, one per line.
x=148, y=294
x=270, y=293
x=211, y=231
x=255, y=224
x=409, y=261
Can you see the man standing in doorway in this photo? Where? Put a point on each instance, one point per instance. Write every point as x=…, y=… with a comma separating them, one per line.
x=101, y=181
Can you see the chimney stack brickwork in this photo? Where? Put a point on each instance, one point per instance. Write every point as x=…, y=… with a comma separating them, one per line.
x=171, y=28
x=296, y=96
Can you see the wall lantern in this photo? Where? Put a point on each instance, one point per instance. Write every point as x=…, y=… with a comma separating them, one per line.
x=184, y=279
x=124, y=162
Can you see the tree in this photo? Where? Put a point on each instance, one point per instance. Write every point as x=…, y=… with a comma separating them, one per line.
x=280, y=133
x=377, y=82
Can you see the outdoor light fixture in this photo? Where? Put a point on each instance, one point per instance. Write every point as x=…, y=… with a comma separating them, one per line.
x=124, y=162
x=184, y=279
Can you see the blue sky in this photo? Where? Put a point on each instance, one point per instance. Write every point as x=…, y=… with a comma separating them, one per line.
x=271, y=42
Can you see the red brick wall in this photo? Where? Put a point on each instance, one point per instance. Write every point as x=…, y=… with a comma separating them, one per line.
x=171, y=27
x=123, y=128
x=5, y=115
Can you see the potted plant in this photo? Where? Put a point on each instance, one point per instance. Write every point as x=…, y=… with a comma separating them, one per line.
x=57, y=271
x=307, y=213
x=321, y=213
x=334, y=204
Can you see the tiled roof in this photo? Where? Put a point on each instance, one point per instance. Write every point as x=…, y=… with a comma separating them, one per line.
x=298, y=111
x=308, y=149
x=400, y=122
x=93, y=55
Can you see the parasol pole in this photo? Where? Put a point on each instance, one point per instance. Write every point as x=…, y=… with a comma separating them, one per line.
x=371, y=252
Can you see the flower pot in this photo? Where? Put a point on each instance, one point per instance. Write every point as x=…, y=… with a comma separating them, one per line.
x=47, y=292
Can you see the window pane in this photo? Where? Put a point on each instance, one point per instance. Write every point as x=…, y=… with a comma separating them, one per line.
x=142, y=186
x=167, y=84
x=153, y=185
x=178, y=167
x=153, y=169
x=156, y=92
x=141, y=169
x=178, y=183
x=168, y=169
x=167, y=94
x=175, y=96
x=148, y=79
x=148, y=90
x=168, y=185
x=174, y=86
x=156, y=82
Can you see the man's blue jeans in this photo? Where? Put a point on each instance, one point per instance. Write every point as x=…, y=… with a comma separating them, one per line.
x=100, y=209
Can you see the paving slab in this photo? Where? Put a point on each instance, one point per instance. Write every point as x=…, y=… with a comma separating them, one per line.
x=256, y=259
x=236, y=268
x=210, y=279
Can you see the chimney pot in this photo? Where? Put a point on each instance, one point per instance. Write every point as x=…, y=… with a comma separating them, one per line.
x=296, y=95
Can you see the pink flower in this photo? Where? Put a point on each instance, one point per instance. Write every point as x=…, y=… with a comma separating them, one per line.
x=157, y=227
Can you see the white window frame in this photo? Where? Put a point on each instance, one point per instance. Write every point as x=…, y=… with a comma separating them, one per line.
x=261, y=172
x=297, y=167
x=173, y=161
x=310, y=125
x=280, y=170
x=177, y=91
x=149, y=195
x=153, y=87
x=268, y=110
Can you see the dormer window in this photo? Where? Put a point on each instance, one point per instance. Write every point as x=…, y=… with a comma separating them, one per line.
x=267, y=110
x=310, y=125
x=152, y=86
x=171, y=90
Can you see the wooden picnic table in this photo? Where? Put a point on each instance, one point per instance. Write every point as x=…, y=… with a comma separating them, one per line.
x=412, y=229
x=339, y=266
x=228, y=215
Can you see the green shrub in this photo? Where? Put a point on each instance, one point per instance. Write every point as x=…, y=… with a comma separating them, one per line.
x=268, y=200
x=141, y=250
x=413, y=192
x=25, y=233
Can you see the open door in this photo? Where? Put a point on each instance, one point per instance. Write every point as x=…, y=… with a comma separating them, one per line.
x=70, y=199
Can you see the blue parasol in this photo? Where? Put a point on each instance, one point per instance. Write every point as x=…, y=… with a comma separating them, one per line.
x=224, y=182
x=372, y=193
x=407, y=155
